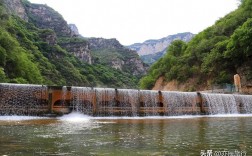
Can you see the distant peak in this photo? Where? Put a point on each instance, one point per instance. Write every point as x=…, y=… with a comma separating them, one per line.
x=154, y=46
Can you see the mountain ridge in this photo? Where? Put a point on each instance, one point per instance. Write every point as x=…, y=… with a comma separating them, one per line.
x=186, y=36
x=153, y=49
x=112, y=53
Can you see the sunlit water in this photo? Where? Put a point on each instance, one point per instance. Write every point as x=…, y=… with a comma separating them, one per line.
x=77, y=134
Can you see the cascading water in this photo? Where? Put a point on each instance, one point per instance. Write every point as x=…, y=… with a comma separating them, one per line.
x=244, y=102
x=220, y=103
x=17, y=99
x=179, y=103
x=105, y=101
x=128, y=100
x=83, y=98
x=63, y=100
x=39, y=100
x=149, y=103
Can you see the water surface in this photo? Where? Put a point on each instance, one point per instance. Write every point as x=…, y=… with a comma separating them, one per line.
x=76, y=134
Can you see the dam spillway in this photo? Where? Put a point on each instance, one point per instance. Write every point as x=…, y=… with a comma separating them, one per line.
x=16, y=99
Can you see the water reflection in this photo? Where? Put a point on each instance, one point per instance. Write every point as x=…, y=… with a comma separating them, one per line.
x=125, y=136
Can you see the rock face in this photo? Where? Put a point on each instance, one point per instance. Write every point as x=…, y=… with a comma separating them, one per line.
x=74, y=30
x=112, y=53
x=174, y=85
x=101, y=43
x=68, y=37
x=245, y=74
x=136, y=65
x=46, y=46
x=16, y=7
x=151, y=50
x=48, y=36
x=155, y=46
x=45, y=17
x=79, y=49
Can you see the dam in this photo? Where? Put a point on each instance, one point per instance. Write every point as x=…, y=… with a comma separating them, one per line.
x=22, y=99
x=69, y=120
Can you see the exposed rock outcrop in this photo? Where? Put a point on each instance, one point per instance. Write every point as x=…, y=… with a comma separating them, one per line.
x=101, y=43
x=151, y=50
x=159, y=45
x=174, y=85
x=45, y=46
x=245, y=74
x=74, y=30
x=112, y=53
x=79, y=48
x=48, y=36
x=45, y=17
x=16, y=7
x=117, y=63
x=136, y=65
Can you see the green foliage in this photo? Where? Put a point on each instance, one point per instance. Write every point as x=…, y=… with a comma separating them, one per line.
x=2, y=75
x=19, y=80
x=214, y=55
x=64, y=40
x=239, y=47
x=167, y=66
x=3, y=56
x=147, y=82
x=27, y=57
x=7, y=42
x=151, y=58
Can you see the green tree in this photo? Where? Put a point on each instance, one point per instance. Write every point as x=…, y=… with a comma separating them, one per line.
x=2, y=76
x=239, y=47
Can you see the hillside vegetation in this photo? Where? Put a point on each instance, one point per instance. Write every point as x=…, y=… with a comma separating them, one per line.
x=212, y=57
x=29, y=54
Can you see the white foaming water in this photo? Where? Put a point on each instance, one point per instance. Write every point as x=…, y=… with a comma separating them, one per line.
x=82, y=99
x=23, y=99
x=75, y=117
x=221, y=103
x=173, y=117
x=149, y=117
x=228, y=115
x=175, y=102
x=20, y=118
x=150, y=101
x=129, y=99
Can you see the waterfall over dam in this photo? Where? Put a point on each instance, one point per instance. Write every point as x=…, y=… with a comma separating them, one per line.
x=16, y=99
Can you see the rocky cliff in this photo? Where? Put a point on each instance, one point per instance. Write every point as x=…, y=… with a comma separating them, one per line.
x=101, y=43
x=78, y=47
x=74, y=29
x=38, y=46
x=151, y=50
x=69, y=38
x=45, y=17
x=16, y=7
x=112, y=53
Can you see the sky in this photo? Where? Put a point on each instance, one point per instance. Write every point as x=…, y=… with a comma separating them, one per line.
x=134, y=21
